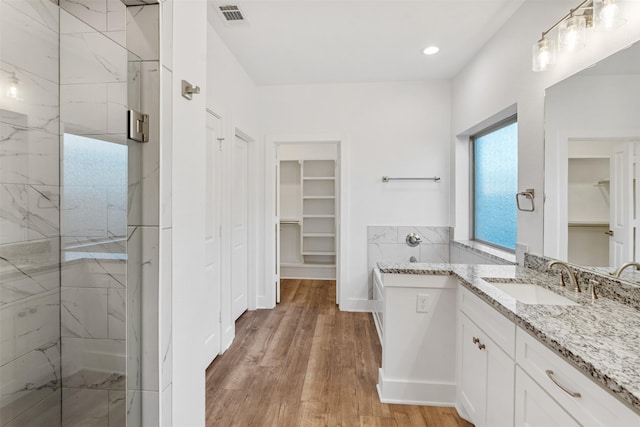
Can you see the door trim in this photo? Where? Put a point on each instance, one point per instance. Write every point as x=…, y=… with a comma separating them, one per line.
x=556, y=151
x=268, y=297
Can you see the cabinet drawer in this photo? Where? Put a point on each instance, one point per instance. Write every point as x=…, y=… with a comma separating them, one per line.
x=535, y=408
x=501, y=330
x=594, y=407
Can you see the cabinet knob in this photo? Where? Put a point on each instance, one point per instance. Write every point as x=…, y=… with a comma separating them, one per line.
x=482, y=346
x=476, y=340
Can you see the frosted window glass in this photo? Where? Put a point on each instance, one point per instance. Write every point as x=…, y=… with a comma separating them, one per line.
x=495, y=186
x=94, y=188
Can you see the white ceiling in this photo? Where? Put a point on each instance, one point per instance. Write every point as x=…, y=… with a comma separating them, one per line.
x=306, y=41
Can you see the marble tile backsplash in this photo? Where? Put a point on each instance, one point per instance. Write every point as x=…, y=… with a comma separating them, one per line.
x=607, y=286
x=387, y=243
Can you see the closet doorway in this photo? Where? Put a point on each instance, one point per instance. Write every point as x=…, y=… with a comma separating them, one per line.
x=307, y=205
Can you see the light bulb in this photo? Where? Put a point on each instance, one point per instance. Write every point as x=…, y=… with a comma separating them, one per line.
x=608, y=15
x=571, y=33
x=431, y=50
x=12, y=89
x=543, y=55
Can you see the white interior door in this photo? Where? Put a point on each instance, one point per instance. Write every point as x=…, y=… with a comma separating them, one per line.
x=621, y=204
x=277, y=232
x=213, y=201
x=239, y=227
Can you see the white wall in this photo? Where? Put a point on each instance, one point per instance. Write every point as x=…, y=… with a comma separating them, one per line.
x=395, y=129
x=499, y=77
x=189, y=126
x=230, y=92
x=231, y=95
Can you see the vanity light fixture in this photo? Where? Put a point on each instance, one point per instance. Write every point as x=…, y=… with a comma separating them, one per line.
x=572, y=29
x=431, y=50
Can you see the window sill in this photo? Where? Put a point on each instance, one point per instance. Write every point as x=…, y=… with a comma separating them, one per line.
x=499, y=255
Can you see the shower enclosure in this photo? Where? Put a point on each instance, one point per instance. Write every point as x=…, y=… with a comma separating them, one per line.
x=70, y=298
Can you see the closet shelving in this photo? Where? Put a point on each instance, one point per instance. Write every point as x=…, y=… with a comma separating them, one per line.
x=318, y=211
x=308, y=217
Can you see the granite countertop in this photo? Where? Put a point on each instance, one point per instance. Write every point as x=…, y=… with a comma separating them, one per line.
x=601, y=338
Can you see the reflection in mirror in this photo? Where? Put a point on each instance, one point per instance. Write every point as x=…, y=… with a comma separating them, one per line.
x=592, y=135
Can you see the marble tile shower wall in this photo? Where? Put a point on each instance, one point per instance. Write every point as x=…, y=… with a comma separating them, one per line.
x=29, y=214
x=388, y=244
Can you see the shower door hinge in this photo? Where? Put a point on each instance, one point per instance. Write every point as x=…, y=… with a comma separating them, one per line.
x=138, y=125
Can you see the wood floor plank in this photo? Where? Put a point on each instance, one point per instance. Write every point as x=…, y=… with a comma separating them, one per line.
x=312, y=414
x=306, y=363
x=317, y=372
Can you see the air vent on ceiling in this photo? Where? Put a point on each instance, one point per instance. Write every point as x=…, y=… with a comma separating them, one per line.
x=232, y=13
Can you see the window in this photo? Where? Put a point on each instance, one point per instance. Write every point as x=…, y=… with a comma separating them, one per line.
x=495, y=183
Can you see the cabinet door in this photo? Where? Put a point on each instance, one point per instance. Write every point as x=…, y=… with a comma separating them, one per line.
x=500, y=384
x=535, y=408
x=473, y=372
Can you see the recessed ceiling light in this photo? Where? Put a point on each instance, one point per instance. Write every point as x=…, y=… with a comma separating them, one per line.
x=431, y=50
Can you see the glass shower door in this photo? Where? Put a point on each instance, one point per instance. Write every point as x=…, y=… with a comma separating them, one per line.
x=29, y=215
x=98, y=83
x=68, y=302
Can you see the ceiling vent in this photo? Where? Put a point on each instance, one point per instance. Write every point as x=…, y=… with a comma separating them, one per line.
x=232, y=14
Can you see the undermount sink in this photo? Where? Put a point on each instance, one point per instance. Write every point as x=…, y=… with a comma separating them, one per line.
x=506, y=280
x=528, y=293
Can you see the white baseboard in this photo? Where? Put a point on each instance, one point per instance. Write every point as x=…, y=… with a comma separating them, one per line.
x=416, y=392
x=308, y=271
x=227, y=338
x=264, y=303
x=462, y=413
x=357, y=305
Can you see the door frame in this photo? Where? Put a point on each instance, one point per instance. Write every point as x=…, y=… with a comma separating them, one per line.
x=268, y=298
x=555, y=210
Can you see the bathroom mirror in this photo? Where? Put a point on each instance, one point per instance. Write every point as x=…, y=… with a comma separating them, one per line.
x=592, y=134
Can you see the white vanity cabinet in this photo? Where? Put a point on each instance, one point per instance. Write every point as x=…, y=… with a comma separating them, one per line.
x=506, y=377
x=485, y=366
x=550, y=391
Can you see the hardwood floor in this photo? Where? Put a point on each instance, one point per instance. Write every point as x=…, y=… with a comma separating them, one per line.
x=306, y=363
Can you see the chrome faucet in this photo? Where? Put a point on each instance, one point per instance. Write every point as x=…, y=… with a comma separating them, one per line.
x=618, y=272
x=570, y=273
